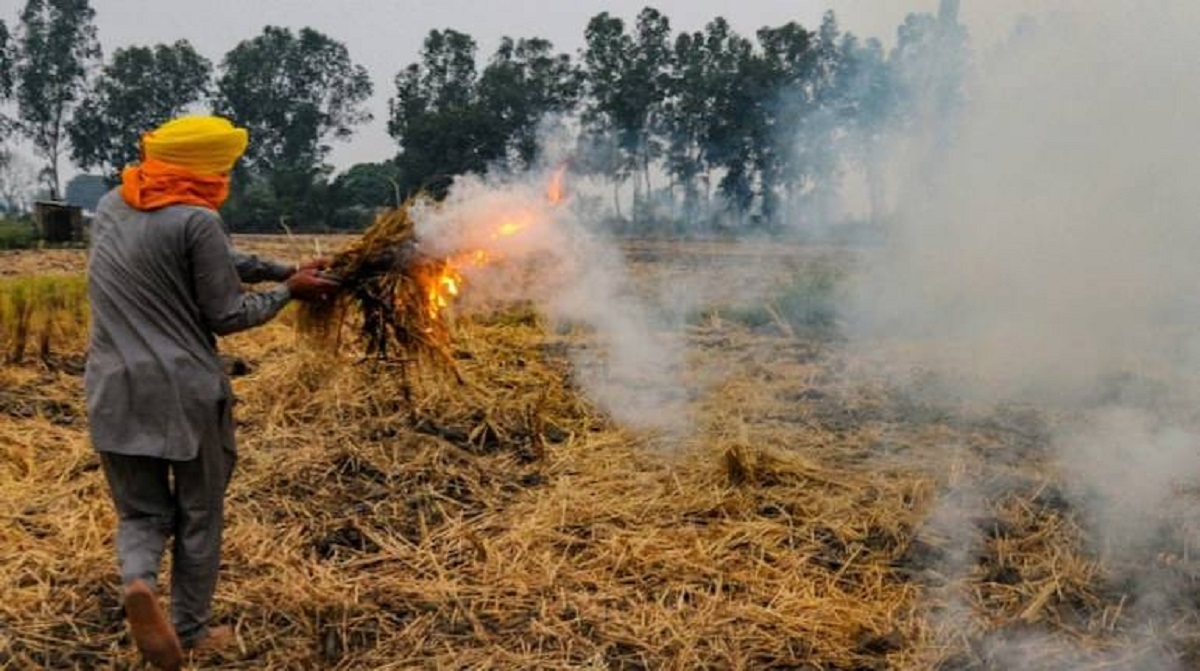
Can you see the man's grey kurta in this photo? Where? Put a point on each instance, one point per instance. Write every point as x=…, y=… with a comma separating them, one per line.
x=162, y=284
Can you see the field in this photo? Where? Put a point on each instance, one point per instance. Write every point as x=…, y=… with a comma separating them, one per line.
x=816, y=513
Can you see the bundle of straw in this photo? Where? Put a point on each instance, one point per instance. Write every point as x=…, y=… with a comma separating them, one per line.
x=388, y=294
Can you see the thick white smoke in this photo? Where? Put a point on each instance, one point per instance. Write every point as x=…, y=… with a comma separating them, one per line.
x=543, y=252
x=1058, y=237
x=1052, y=256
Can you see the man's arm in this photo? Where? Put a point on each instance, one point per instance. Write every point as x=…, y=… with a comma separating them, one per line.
x=217, y=278
x=251, y=269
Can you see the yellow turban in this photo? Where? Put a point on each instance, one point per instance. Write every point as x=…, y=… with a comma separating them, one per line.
x=202, y=144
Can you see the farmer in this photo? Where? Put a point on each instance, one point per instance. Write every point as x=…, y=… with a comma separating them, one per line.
x=163, y=282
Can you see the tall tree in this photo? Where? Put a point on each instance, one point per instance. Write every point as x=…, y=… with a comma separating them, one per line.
x=524, y=83
x=436, y=118
x=648, y=83
x=139, y=89
x=8, y=58
x=294, y=92
x=785, y=78
x=865, y=98
x=814, y=173
x=687, y=110
x=605, y=62
x=728, y=135
x=930, y=61
x=627, y=78
x=56, y=45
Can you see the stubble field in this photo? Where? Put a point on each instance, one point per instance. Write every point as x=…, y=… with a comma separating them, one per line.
x=816, y=512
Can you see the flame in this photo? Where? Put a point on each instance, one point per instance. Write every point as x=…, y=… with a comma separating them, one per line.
x=508, y=229
x=443, y=290
x=556, y=193
x=444, y=287
x=513, y=224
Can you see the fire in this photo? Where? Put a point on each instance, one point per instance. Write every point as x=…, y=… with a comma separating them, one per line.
x=443, y=290
x=445, y=287
x=511, y=227
x=556, y=193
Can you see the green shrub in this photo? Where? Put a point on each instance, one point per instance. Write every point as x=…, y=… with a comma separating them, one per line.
x=17, y=233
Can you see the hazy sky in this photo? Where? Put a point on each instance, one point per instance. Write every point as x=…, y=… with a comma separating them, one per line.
x=386, y=35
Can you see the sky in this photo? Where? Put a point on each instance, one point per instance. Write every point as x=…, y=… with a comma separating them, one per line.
x=386, y=35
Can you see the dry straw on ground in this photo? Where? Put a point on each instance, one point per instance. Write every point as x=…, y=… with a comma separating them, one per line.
x=41, y=313
x=510, y=524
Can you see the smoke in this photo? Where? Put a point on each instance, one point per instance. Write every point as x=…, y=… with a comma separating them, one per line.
x=1047, y=254
x=1097, y=462
x=1056, y=241
x=515, y=243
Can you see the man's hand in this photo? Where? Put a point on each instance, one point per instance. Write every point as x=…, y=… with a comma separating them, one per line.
x=315, y=263
x=307, y=284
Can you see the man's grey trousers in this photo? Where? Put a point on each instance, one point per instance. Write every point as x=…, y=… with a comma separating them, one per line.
x=156, y=499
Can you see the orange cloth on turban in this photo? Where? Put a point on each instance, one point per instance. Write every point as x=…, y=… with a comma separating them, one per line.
x=155, y=184
x=186, y=161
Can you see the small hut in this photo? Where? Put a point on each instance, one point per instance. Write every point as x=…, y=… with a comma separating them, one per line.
x=58, y=222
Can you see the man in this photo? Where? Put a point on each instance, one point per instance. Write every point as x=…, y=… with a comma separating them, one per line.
x=163, y=283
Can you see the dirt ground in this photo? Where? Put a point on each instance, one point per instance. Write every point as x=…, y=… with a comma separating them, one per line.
x=817, y=512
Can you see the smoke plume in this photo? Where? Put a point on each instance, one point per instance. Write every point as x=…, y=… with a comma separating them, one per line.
x=536, y=248
x=1048, y=254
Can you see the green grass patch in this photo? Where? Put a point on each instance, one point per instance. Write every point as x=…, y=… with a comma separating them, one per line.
x=810, y=300
x=806, y=304
x=17, y=233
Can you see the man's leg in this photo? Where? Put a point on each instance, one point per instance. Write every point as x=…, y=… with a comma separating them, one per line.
x=141, y=492
x=200, y=486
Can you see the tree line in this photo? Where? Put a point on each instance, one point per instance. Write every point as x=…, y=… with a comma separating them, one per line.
x=689, y=129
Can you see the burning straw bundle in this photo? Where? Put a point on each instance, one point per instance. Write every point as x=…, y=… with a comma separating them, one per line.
x=394, y=293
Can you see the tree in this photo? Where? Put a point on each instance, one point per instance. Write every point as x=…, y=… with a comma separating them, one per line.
x=866, y=99
x=787, y=79
x=605, y=60
x=930, y=61
x=524, y=83
x=929, y=65
x=626, y=78
x=7, y=61
x=369, y=185
x=359, y=192
x=647, y=83
x=727, y=136
x=686, y=114
x=811, y=171
x=437, y=120
x=55, y=46
x=139, y=89
x=294, y=93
